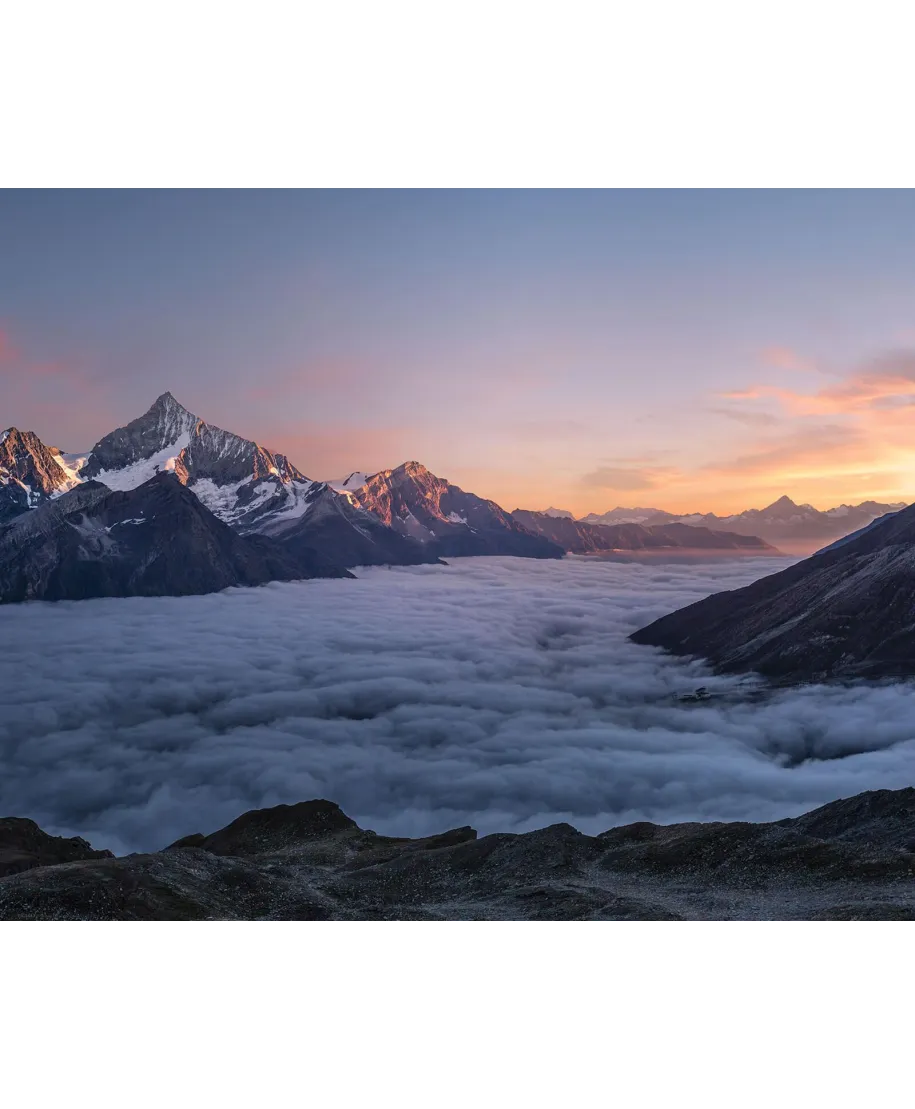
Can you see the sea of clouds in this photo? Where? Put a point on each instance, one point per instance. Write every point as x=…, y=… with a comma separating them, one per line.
x=496, y=692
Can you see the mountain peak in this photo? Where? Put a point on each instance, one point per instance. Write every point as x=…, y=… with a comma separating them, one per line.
x=166, y=402
x=412, y=471
x=29, y=472
x=15, y=435
x=783, y=501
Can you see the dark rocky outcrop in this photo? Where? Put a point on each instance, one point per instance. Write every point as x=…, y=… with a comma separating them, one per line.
x=849, y=860
x=886, y=816
x=846, y=612
x=155, y=540
x=24, y=846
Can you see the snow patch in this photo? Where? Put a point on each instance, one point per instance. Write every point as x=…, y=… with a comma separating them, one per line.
x=123, y=523
x=129, y=477
x=221, y=500
x=71, y=464
x=298, y=497
x=356, y=480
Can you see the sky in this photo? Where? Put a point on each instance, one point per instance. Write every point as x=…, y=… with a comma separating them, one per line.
x=686, y=350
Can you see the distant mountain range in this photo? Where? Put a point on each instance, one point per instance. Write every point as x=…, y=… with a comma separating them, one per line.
x=64, y=534
x=581, y=538
x=782, y=523
x=846, y=612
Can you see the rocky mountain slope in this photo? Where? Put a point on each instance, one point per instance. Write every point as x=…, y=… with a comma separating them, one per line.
x=416, y=503
x=155, y=540
x=580, y=538
x=846, y=612
x=850, y=860
x=348, y=533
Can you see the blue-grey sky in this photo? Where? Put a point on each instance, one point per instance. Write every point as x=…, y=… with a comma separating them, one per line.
x=687, y=349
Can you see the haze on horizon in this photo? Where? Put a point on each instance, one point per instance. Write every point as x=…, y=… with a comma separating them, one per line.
x=686, y=350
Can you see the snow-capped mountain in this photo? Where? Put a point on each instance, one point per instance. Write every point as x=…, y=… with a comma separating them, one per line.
x=157, y=539
x=247, y=486
x=416, y=503
x=240, y=481
x=845, y=612
x=558, y=513
x=403, y=516
x=30, y=473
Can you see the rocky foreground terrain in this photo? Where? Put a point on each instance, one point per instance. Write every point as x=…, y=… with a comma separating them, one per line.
x=850, y=860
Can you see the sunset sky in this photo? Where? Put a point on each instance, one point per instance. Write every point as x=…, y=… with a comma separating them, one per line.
x=693, y=351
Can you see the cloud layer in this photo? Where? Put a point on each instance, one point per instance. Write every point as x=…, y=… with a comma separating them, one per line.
x=497, y=692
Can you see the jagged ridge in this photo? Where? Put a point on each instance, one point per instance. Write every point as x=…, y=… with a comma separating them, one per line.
x=851, y=859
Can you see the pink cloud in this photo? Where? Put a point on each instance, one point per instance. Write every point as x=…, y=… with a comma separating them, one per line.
x=885, y=382
x=784, y=358
x=628, y=479
x=753, y=393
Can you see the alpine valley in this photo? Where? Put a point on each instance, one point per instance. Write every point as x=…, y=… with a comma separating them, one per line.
x=171, y=505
